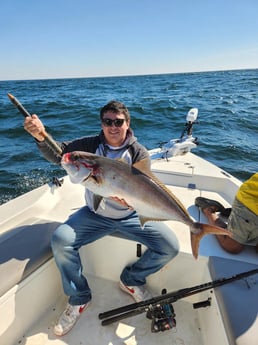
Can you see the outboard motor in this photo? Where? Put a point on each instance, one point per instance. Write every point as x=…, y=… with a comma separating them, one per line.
x=181, y=146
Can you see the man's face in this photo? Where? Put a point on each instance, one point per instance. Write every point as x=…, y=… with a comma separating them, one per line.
x=115, y=132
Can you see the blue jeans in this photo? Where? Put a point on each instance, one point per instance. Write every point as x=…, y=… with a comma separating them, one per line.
x=85, y=226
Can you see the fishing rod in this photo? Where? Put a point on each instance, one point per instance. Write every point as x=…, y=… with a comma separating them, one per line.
x=160, y=308
x=49, y=141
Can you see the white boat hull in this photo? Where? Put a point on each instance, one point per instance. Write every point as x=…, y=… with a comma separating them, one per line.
x=31, y=301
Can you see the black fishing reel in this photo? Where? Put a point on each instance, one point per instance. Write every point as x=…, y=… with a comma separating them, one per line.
x=162, y=316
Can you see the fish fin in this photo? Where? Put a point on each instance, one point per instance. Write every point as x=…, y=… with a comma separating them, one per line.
x=143, y=165
x=144, y=220
x=96, y=201
x=199, y=230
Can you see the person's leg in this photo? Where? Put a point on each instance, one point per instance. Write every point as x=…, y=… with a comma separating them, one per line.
x=81, y=228
x=162, y=246
x=227, y=243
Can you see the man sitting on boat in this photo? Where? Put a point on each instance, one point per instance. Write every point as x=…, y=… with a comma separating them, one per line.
x=243, y=217
x=116, y=140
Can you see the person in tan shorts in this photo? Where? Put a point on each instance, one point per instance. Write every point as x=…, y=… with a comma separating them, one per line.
x=242, y=217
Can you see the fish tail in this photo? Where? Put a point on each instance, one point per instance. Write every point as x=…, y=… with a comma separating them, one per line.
x=199, y=230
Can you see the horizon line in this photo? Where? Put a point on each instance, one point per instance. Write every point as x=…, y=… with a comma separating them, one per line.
x=131, y=75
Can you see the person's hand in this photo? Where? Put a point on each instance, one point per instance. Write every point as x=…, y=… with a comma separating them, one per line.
x=34, y=126
x=121, y=202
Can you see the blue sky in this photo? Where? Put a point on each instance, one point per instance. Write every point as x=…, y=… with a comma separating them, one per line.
x=84, y=38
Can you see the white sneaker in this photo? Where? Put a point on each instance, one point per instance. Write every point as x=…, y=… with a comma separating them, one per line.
x=139, y=293
x=68, y=318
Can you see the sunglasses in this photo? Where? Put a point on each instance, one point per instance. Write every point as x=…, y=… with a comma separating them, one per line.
x=110, y=122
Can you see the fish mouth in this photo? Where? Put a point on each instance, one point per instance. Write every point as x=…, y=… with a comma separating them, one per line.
x=66, y=158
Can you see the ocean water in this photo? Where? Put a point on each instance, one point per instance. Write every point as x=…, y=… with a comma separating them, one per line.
x=227, y=127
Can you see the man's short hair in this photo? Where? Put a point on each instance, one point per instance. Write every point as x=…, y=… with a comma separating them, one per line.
x=115, y=107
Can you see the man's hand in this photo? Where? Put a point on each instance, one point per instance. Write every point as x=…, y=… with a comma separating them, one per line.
x=34, y=126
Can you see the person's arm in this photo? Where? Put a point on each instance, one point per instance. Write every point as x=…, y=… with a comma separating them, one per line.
x=34, y=126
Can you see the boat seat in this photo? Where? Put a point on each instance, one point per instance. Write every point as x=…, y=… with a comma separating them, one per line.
x=23, y=249
x=238, y=300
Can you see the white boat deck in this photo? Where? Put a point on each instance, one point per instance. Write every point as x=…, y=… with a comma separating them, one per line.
x=192, y=326
x=131, y=331
x=31, y=307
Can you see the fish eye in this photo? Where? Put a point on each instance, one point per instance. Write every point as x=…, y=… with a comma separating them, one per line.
x=74, y=156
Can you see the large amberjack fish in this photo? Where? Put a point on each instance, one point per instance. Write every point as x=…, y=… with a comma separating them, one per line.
x=143, y=191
